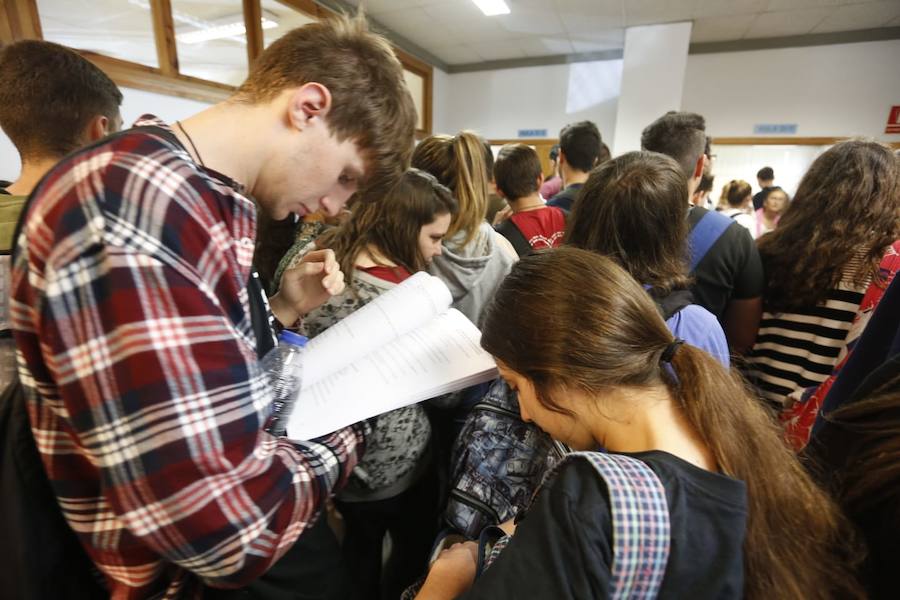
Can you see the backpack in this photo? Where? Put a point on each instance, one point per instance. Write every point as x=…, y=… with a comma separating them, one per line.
x=641, y=527
x=640, y=523
x=706, y=230
x=497, y=463
x=515, y=236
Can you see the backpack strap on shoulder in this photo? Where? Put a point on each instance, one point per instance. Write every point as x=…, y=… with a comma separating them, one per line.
x=509, y=230
x=705, y=233
x=640, y=523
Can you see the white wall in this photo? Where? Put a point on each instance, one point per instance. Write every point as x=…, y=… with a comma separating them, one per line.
x=836, y=90
x=134, y=104
x=498, y=103
x=440, y=106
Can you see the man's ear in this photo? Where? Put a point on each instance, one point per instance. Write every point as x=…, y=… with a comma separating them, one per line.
x=308, y=102
x=701, y=165
x=540, y=180
x=97, y=128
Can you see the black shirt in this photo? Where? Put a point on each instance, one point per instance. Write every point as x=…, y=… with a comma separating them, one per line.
x=562, y=548
x=566, y=198
x=731, y=269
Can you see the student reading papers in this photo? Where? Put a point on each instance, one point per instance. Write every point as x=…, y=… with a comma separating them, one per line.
x=405, y=346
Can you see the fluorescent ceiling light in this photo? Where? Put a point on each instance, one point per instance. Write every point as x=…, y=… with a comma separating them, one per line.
x=492, y=7
x=220, y=32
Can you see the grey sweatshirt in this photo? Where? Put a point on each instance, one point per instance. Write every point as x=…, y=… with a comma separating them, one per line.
x=472, y=272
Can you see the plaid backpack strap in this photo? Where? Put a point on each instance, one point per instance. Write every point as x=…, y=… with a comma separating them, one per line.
x=640, y=521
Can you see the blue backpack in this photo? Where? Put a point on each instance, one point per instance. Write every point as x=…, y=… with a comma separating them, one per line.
x=707, y=227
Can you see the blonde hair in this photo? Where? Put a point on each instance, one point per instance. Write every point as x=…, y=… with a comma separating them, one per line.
x=459, y=163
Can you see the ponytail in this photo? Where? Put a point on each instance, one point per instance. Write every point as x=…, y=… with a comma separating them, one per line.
x=459, y=163
x=735, y=193
x=794, y=530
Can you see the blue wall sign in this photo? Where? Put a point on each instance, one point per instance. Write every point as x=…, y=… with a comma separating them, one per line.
x=532, y=133
x=775, y=129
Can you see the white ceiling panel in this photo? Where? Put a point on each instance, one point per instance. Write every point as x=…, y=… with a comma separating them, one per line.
x=587, y=24
x=418, y=27
x=721, y=8
x=721, y=29
x=610, y=39
x=457, y=54
x=374, y=7
x=860, y=16
x=532, y=21
x=647, y=12
x=793, y=22
x=777, y=5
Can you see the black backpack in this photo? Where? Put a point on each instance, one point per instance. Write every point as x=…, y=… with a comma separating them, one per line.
x=43, y=557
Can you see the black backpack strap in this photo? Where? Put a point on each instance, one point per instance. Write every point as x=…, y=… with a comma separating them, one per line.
x=512, y=233
x=673, y=302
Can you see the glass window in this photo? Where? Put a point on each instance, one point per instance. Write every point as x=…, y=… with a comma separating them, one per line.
x=211, y=40
x=416, y=85
x=118, y=28
x=279, y=18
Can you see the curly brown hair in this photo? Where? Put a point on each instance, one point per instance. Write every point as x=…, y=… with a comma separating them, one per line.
x=847, y=204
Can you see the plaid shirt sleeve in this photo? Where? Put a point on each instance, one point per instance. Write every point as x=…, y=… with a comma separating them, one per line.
x=131, y=315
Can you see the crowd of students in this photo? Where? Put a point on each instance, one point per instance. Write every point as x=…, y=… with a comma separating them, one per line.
x=684, y=355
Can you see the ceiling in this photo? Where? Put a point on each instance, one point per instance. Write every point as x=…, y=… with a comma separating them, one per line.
x=456, y=32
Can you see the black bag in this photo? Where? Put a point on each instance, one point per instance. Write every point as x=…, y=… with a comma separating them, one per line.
x=42, y=555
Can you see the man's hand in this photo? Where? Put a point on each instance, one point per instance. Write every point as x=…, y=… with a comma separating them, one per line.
x=502, y=215
x=452, y=573
x=307, y=286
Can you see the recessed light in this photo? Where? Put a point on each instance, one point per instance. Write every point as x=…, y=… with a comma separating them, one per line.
x=492, y=7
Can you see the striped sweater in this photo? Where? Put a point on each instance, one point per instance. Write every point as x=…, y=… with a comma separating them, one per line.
x=798, y=350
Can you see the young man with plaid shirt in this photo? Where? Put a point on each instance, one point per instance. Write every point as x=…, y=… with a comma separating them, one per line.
x=132, y=294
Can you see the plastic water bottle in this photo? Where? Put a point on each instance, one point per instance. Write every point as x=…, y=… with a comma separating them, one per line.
x=284, y=364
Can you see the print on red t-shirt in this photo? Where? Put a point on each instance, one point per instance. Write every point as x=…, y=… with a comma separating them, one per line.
x=543, y=227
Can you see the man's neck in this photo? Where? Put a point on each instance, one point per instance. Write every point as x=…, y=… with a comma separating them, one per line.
x=32, y=172
x=221, y=141
x=532, y=202
x=572, y=176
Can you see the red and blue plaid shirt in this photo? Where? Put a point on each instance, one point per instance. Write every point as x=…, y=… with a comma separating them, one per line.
x=138, y=358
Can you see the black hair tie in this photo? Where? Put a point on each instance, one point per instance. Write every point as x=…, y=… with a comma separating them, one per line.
x=669, y=353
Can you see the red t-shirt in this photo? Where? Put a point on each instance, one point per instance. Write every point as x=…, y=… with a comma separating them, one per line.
x=393, y=274
x=542, y=227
